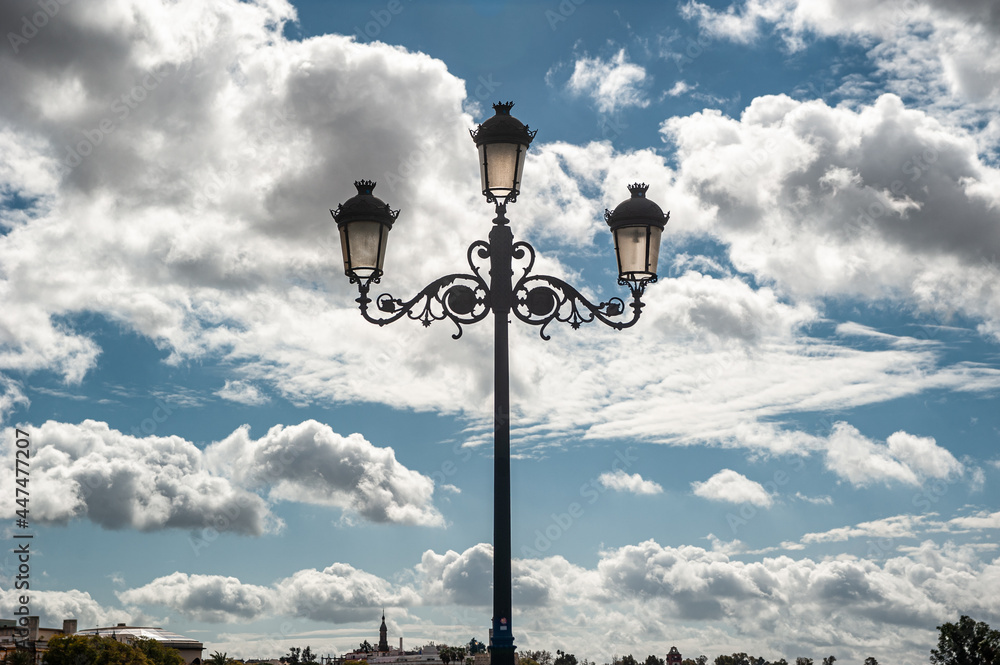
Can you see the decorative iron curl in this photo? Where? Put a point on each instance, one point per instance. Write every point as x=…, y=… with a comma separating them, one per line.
x=541, y=299
x=463, y=299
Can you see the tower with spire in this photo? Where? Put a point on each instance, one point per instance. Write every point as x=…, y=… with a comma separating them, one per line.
x=383, y=636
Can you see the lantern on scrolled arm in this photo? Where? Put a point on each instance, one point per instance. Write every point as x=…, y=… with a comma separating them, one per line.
x=364, y=222
x=503, y=142
x=636, y=224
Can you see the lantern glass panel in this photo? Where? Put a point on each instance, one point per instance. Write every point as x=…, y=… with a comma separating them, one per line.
x=638, y=249
x=363, y=245
x=500, y=166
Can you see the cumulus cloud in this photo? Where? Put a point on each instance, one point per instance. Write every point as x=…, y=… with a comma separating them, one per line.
x=463, y=578
x=620, y=481
x=339, y=593
x=924, y=47
x=90, y=471
x=613, y=84
x=769, y=604
x=908, y=592
x=211, y=598
x=733, y=487
x=820, y=200
x=904, y=458
x=310, y=463
x=52, y=607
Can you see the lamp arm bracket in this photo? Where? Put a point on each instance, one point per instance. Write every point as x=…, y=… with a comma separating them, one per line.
x=541, y=299
x=461, y=298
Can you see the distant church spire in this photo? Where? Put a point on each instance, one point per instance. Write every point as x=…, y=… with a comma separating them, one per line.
x=383, y=635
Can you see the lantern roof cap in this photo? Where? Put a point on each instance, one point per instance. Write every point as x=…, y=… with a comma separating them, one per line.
x=364, y=206
x=503, y=128
x=636, y=210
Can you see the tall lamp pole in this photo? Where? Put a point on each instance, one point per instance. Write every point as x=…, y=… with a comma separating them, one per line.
x=636, y=224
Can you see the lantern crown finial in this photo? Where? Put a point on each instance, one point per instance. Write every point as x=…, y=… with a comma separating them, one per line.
x=365, y=186
x=503, y=108
x=638, y=189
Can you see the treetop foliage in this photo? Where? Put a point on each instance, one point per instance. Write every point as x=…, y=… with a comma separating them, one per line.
x=102, y=650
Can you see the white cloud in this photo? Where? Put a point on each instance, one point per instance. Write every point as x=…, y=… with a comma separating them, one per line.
x=90, y=471
x=52, y=607
x=211, y=598
x=339, y=593
x=613, y=84
x=925, y=47
x=11, y=397
x=898, y=526
x=620, y=481
x=659, y=594
x=907, y=526
x=904, y=458
x=679, y=88
x=242, y=392
x=461, y=578
x=733, y=487
x=310, y=463
x=822, y=201
x=738, y=26
x=818, y=500
x=923, y=455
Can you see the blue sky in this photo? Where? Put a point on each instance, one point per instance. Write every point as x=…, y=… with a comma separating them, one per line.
x=792, y=454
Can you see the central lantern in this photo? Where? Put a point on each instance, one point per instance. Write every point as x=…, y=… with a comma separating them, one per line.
x=503, y=142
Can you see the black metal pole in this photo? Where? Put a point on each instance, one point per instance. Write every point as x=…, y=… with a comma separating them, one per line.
x=501, y=275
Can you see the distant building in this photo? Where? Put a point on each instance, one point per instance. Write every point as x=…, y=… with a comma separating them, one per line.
x=383, y=632
x=383, y=654
x=189, y=649
x=674, y=657
x=32, y=637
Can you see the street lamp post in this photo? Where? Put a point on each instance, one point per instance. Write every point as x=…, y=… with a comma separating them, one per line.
x=364, y=222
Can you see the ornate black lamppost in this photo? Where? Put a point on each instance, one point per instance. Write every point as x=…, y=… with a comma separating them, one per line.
x=636, y=224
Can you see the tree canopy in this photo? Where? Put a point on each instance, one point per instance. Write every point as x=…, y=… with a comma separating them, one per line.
x=968, y=642
x=100, y=650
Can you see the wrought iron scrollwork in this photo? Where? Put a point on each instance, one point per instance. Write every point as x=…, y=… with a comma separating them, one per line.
x=541, y=299
x=461, y=298
x=465, y=298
